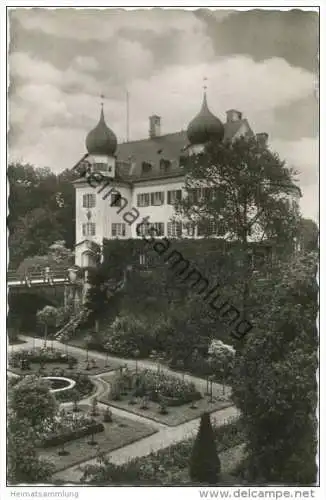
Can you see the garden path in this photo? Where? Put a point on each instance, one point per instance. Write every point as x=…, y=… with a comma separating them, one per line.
x=165, y=436
x=142, y=364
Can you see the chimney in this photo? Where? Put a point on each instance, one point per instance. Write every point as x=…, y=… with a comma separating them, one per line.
x=262, y=138
x=154, y=126
x=232, y=115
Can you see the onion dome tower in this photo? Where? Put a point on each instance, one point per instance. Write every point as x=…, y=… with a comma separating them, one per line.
x=101, y=145
x=101, y=140
x=205, y=127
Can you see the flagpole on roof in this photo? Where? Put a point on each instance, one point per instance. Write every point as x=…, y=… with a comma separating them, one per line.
x=127, y=115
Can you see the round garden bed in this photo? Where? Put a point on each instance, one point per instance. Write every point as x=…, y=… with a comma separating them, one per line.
x=59, y=384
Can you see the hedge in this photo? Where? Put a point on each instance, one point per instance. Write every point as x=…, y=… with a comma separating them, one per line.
x=57, y=439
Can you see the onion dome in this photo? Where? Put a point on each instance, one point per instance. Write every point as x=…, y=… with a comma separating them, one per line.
x=205, y=126
x=101, y=140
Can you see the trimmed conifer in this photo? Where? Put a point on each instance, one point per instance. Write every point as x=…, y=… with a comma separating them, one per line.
x=205, y=464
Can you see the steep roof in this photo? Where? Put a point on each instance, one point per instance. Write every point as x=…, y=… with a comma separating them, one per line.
x=169, y=147
x=152, y=150
x=131, y=155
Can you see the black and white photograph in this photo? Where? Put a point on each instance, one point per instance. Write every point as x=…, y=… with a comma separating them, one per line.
x=162, y=251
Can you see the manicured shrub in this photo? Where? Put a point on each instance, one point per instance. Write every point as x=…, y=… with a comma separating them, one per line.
x=205, y=464
x=130, y=334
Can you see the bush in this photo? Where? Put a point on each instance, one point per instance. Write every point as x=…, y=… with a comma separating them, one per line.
x=30, y=399
x=130, y=334
x=41, y=355
x=205, y=464
x=157, y=386
x=56, y=439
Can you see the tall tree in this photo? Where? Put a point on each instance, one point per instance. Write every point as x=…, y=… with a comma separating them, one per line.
x=308, y=235
x=41, y=210
x=242, y=191
x=274, y=383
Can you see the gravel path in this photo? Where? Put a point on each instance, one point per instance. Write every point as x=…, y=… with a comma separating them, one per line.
x=163, y=438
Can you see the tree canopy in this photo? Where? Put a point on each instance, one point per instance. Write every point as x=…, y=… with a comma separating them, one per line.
x=41, y=210
x=274, y=384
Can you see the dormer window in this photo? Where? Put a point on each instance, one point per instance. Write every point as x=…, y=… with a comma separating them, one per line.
x=165, y=165
x=146, y=167
x=182, y=161
x=100, y=167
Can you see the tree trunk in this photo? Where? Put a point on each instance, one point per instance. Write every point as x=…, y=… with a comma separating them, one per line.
x=45, y=334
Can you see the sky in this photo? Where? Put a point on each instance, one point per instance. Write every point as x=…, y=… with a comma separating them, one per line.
x=263, y=63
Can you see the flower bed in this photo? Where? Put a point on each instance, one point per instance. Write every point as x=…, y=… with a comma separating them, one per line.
x=40, y=355
x=158, y=386
x=66, y=428
x=84, y=387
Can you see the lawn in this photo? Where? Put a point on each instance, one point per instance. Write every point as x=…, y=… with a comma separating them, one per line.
x=175, y=415
x=118, y=433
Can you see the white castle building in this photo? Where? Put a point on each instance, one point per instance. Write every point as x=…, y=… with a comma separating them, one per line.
x=145, y=177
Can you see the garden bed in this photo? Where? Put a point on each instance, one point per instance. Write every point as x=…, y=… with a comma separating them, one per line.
x=160, y=406
x=58, y=439
x=168, y=466
x=116, y=434
x=56, y=362
x=84, y=387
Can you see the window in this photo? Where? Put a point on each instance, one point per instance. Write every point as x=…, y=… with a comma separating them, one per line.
x=174, y=229
x=115, y=200
x=207, y=228
x=157, y=198
x=99, y=167
x=194, y=195
x=118, y=229
x=174, y=196
x=165, y=165
x=144, y=229
x=89, y=200
x=146, y=167
x=159, y=228
x=142, y=259
x=143, y=200
x=89, y=229
x=189, y=229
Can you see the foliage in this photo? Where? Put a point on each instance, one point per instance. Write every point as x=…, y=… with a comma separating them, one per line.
x=57, y=258
x=308, y=235
x=166, y=466
x=31, y=400
x=40, y=355
x=275, y=377
x=205, y=464
x=24, y=466
x=158, y=386
x=250, y=190
x=66, y=426
x=84, y=387
x=48, y=316
x=130, y=333
x=41, y=210
x=221, y=359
